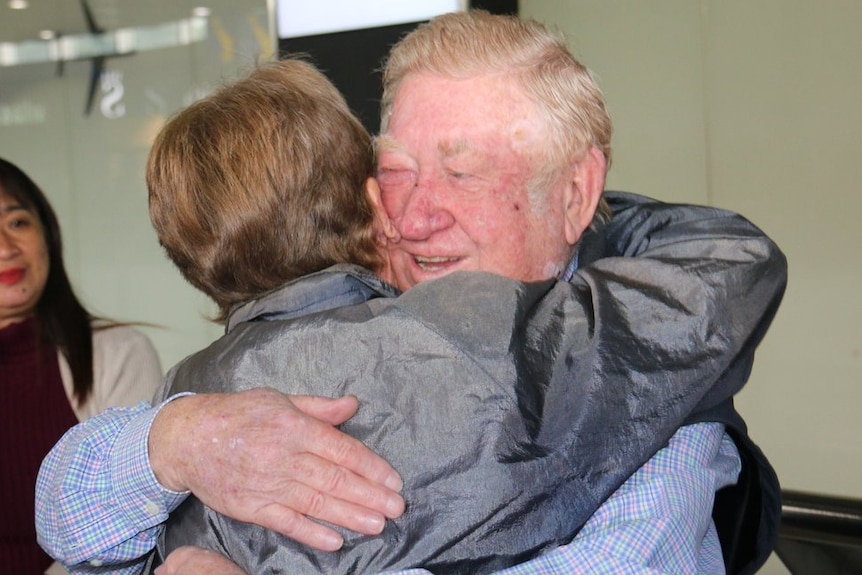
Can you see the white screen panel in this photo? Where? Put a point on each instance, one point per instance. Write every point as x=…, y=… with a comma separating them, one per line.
x=306, y=18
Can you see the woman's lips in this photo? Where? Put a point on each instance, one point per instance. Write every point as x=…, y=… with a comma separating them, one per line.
x=11, y=277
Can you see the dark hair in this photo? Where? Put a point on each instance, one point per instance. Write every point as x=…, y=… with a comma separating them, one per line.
x=62, y=320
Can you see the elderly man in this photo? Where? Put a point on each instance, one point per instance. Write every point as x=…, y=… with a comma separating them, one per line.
x=477, y=173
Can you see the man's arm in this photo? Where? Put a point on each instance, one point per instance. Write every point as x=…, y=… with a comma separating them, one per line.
x=743, y=275
x=98, y=501
x=705, y=263
x=658, y=522
x=80, y=518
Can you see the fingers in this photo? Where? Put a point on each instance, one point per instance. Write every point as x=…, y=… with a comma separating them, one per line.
x=349, y=453
x=300, y=528
x=196, y=561
x=326, y=491
x=294, y=523
x=341, y=481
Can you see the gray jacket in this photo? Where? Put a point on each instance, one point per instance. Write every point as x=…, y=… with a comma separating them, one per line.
x=511, y=410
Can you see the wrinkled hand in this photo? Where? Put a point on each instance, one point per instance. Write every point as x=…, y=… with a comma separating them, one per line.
x=196, y=561
x=262, y=457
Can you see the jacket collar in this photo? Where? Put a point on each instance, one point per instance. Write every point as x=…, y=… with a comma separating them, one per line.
x=338, y=286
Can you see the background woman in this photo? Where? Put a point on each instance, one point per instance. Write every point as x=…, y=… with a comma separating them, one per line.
x=58, y=363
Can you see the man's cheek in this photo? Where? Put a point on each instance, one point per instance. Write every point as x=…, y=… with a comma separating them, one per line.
x=400, y=262
x=393, y=202
x=398, y=257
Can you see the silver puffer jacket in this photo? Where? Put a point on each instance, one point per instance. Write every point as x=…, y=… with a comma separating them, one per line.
x=511, y=410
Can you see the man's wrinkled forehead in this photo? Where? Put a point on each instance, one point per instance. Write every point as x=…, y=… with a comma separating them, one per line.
x=384, y=144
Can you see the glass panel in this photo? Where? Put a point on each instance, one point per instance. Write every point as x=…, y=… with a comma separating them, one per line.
x=83, y=130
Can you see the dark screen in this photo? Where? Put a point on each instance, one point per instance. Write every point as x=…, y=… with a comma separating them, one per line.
x=352, y=59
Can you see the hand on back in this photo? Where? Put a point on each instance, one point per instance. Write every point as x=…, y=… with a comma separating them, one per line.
x=262, y=457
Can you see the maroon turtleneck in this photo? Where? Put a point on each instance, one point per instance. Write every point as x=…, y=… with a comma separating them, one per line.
x=34, y=414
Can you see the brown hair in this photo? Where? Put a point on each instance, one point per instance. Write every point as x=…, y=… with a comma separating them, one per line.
x=262, y=182
x=472, y=43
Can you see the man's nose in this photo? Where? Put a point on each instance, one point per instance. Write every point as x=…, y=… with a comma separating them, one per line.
x=425, y=212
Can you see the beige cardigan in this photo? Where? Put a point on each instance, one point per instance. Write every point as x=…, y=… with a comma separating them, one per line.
x=126, y=371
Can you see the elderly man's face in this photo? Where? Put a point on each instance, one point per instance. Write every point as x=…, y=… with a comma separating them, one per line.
x=454, y=168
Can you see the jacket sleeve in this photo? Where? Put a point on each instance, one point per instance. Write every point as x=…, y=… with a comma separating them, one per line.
x=678, y=325
x=679, y=294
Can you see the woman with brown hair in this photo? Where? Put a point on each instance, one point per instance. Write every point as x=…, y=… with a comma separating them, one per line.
x=59, y=364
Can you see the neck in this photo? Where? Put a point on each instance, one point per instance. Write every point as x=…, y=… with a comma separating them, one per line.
x=7, y=321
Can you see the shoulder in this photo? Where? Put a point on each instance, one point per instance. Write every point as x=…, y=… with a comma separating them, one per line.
x=126, y=367
x=113, y=342
x=114, y=335
x=122, y=347
x=478, y=307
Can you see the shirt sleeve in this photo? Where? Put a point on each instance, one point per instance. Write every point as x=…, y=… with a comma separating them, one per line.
x=98, y=503
x=659, y=521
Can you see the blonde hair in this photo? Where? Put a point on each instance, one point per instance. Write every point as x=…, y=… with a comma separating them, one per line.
x=262, y=182
x=473, y=43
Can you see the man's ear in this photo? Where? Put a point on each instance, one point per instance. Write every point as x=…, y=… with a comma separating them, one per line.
x=384, y=227
x=583, y=194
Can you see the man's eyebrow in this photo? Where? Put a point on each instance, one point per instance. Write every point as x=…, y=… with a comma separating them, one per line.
x=450, y=149
x=385, y=143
